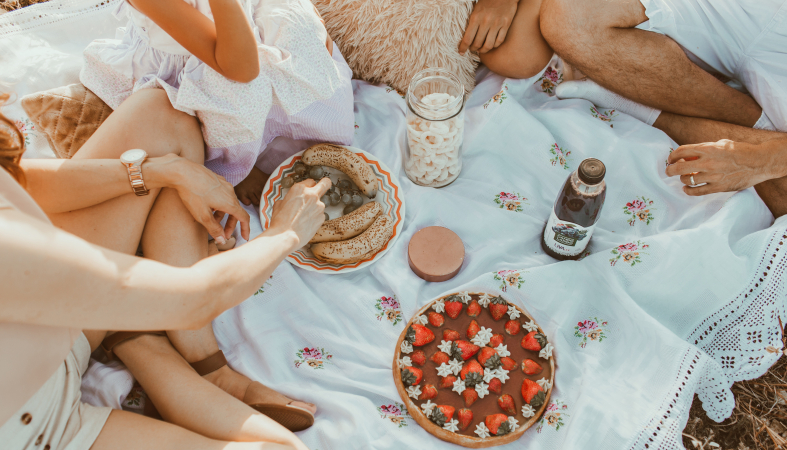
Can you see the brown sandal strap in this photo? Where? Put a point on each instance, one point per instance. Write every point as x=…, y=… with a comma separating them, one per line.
x=210, y=364
x=122, y=336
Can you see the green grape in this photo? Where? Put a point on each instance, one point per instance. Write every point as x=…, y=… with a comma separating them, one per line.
x=347, y=199
x=316, y=172
x=325, y=199
x=299, y=168
x=287, y=182
x=349, y=208
x=335, y=198
x=327, y=217
x=357, y=200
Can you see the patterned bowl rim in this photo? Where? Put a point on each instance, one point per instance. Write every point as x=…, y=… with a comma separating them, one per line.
x=387, y=183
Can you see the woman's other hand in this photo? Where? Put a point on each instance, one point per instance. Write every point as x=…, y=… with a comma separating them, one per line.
x=207, y=196
x=488, y=25
x=301, y=211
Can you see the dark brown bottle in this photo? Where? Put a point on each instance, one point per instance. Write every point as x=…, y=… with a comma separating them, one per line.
x=576, y=211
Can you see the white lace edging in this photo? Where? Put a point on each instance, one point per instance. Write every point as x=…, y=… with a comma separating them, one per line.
x=42, y=14
x=737, y=336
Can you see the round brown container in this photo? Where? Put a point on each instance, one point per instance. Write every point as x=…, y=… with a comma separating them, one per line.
x=435, y=253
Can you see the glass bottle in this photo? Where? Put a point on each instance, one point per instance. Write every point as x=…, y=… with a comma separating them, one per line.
x=572, y=221
x=435, y=128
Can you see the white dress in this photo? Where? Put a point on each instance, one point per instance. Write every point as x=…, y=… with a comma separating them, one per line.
x=301, y=93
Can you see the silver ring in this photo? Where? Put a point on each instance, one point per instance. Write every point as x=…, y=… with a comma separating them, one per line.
x=692, y=181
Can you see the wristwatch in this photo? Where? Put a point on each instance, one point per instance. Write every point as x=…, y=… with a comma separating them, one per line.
x=133, y=160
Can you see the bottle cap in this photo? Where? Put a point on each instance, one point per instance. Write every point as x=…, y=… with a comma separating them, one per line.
x=591, y=171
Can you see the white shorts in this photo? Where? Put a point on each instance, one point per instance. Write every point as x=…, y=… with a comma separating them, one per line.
x=54, y=418
x=745, y=40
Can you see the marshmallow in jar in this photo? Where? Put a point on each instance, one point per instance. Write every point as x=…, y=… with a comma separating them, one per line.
x=435, y=128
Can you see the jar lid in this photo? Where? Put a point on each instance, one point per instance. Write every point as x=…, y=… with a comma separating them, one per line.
x=591, y=171
x=435, y=253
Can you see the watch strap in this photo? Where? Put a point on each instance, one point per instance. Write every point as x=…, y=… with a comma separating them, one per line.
x=135, y=177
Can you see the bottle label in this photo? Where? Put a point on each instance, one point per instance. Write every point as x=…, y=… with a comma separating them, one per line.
x=566, y=238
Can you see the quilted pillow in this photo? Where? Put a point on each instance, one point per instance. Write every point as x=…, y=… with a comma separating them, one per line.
x=68, y=115
x=389, y=41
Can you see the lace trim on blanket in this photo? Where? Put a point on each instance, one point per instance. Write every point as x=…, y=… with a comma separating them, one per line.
x=737, y=336
x=48, y=13
x=664, y=431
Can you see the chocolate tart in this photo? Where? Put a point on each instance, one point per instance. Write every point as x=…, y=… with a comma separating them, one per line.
x=488, y=404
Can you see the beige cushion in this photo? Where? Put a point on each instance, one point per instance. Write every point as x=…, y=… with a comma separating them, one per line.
x=68, y=115
x=389, y=41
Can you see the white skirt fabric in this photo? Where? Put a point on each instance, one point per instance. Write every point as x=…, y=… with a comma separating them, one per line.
x=745, y=40
x=55, y=417
x=304, y=91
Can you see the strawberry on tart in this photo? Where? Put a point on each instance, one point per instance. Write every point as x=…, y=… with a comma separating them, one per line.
x=474, y=369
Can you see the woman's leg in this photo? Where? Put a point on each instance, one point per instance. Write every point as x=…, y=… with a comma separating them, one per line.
x=525, y=52
x=128, y=431
x=183, y=397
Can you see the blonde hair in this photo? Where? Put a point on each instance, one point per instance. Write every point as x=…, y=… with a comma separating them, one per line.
x=12, y=145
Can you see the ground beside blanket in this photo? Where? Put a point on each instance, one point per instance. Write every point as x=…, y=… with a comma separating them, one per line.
x=761, y=405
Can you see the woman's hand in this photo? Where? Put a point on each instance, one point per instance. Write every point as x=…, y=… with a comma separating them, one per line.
x=203, y=192
x=724, y=166
x=300, y=211
x=488, y=25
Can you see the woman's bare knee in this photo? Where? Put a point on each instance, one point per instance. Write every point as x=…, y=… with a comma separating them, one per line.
x=509, y=62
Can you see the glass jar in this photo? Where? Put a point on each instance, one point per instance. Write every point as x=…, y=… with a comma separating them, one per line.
x=435, y=128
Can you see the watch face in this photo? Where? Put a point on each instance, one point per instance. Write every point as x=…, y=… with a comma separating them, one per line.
x=133, y=156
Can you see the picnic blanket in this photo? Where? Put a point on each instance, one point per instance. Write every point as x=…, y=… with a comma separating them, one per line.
x=674, y=296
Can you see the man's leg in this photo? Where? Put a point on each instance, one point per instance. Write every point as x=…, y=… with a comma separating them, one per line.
x=598, y=37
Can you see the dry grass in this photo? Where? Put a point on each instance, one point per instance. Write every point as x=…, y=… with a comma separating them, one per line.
x=10, y=5
x=759, y=420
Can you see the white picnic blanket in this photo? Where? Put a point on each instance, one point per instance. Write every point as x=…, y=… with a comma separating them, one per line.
x=676, y=295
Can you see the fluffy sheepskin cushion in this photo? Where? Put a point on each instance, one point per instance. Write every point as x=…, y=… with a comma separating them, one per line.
x=389, y=41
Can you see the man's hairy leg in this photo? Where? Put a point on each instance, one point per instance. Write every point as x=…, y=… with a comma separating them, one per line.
x=691, y=130
x=598, y=37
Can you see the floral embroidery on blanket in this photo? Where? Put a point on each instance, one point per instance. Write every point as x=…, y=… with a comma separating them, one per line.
x=396, y=413
x=389, y=309
x=356, y=127
x=509, y=278
x=560, y=157
x=554, y=415
x=314, y=357
x=630, y=253
x=25, y=127
x=549, y=81
x=666, y=161
x=603, y=116
x=262, y=288
x=499, y=97
x=592, y=329
x=640, y=208
x=511, y=201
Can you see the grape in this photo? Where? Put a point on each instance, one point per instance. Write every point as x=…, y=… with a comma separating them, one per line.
x=327, y=217
x=349, y=208
x=325, y=199
x=357, y=200
x=287, y=182
x=299, y=168
x=344, y=184
x=335, y=198
x=316, y=172
x=347, y=199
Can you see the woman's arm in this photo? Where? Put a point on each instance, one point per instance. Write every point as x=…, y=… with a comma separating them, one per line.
x=50, y=277
x=226, y=45
x=66, y=185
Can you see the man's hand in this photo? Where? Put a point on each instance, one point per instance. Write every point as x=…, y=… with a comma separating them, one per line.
x=488, y=25
x=724, y=166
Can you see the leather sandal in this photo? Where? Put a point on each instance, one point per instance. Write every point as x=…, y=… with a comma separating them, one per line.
x=114, y=339
x=294, y=418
